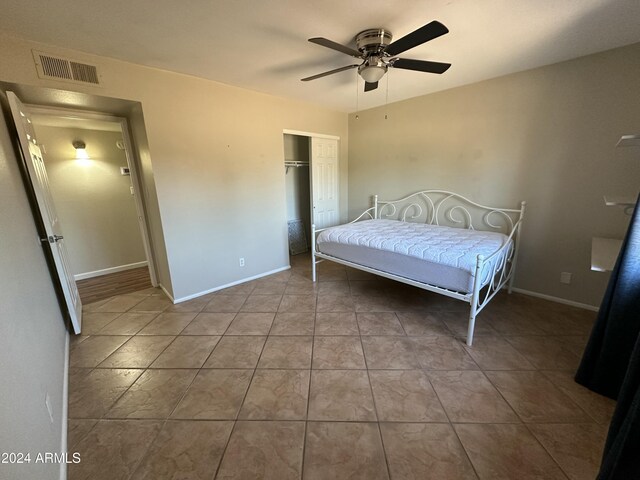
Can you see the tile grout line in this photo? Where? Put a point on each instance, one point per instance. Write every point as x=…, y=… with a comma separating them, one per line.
x=235, y=420
x=144, y=369
x=184, y=394
x=103, y=417
x=147, y=450
x=222, y=335
x=522, y=422
x=373, y=399
x=548, y=452
x=306, y=417
x=545, y=378
x=464, y=449
x=99, y=333
x=589, y=414
x=449, y=422
x=79, y=440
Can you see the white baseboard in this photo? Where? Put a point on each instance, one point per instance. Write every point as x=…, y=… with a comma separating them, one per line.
x=107, y=271
x=586, y=306
x=282, y=269
x=238, y=282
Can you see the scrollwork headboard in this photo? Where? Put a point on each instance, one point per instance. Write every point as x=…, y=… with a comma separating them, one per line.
x=440, y=207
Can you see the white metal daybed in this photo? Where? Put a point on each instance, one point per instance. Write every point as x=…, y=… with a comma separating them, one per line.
x=418, y=240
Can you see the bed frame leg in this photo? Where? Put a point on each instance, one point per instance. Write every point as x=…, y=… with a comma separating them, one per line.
x=313, y=252
x=472, y=325
x=474, y=299
x=515, y=253
x=313, y=267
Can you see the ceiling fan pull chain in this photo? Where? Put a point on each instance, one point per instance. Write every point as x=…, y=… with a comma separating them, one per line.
x=357, y=117
x=386, y=99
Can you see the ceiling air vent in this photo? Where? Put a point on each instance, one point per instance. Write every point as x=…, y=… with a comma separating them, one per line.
x=50, y=66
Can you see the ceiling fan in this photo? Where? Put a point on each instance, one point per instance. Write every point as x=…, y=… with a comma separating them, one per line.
x=378, y=53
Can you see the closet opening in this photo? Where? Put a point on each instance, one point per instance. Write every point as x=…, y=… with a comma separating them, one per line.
x=297, y=151
x=311, y=177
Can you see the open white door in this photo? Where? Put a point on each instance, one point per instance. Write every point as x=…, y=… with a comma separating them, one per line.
x=324, y=181
x=38, y=175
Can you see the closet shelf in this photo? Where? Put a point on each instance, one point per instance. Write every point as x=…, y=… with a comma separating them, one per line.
x=294, y=163
x=604, y=253
x=619, y=201
x=629, y=141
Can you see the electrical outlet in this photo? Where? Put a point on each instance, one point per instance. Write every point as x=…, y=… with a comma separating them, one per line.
x=242, y=261
x=47, y=402
x=565, y=277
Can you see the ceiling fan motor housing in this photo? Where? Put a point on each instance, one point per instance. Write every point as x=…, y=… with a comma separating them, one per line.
x=373, y=41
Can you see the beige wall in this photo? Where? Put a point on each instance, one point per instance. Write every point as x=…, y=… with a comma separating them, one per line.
x=216, y=152
x=546, y=136
x=93, y=200
x=32, y=333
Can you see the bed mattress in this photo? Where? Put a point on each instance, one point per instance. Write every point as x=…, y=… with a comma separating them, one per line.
x=438, y=255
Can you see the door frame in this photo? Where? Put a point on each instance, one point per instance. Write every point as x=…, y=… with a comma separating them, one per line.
x=132, y=163
x=311, y=135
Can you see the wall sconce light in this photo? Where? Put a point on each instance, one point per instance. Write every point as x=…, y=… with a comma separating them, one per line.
x=81, y=150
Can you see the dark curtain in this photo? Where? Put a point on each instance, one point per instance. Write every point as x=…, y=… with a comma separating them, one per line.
x=611, y=361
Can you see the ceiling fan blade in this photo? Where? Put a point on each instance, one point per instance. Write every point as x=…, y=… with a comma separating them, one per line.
x=421, y=65
x=423, y=34
x=325, y=42
x=370, y=86
x=330, y=72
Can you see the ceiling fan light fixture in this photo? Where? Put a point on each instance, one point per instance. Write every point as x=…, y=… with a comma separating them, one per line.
x=372, y=73
x=372, y=70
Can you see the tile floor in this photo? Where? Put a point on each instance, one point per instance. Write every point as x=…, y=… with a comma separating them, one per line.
x=352, y=377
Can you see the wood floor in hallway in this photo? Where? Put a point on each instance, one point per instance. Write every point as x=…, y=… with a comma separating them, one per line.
x=105, y=286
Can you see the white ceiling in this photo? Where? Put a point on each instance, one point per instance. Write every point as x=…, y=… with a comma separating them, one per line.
x=262, y=45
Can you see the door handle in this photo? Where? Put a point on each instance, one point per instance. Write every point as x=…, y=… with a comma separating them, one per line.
x=52, y=239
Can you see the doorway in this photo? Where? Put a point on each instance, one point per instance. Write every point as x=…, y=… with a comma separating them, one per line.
x=311, y=183
x=31, y=161
x=93, y=184
x=297, y=149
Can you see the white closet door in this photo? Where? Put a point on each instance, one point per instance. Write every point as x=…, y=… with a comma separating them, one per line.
x=324, y=172
x=40, y=182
